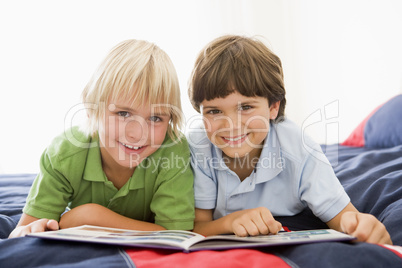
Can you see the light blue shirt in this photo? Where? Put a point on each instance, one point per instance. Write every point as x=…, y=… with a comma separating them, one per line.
x=292, y=173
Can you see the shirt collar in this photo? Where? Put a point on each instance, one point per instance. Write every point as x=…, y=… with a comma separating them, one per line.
x=94, y=171
x=271, y=162
x=93, y=166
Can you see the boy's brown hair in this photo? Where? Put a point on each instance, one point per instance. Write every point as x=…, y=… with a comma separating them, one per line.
x=236, y=63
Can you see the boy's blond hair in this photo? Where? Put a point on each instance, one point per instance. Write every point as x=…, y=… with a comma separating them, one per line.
x=236, y=63
x=137, y=71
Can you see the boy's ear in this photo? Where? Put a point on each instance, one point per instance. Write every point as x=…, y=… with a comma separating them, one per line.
x=273, y=110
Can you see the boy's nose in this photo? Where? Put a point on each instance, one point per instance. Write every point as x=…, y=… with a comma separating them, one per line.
x=137, y=130
x=232, y=122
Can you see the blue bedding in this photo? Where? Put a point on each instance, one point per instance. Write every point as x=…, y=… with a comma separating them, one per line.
x=371, y=177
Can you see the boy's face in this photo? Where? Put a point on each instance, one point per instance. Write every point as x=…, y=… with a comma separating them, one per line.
x=238, y=124
x=130, y=132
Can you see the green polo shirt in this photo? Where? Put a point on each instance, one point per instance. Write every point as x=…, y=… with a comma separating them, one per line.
x=71, y=174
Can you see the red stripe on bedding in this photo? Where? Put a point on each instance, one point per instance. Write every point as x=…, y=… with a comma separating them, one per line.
x=157, y=258
x=395, y=249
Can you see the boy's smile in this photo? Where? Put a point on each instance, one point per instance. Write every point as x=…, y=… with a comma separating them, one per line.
x=131, y=149
x=237, y=124
x=235, y=139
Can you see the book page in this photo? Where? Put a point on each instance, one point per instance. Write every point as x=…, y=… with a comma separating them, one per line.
x=188, y=241
x=282, y=238
x=170, y=238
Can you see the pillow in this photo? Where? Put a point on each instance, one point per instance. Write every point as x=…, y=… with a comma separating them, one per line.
x=382, y=128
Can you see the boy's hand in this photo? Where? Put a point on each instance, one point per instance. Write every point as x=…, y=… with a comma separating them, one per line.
x=255, y=221
x=365, y=227
x=35, y=227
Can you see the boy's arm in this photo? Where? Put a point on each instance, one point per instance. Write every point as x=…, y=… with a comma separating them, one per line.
x=242, y=223
x=28, y=224
x=205, y=225
x=365, y=227
x=94, y=214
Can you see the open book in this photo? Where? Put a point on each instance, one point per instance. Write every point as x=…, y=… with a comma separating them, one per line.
x=188, y=241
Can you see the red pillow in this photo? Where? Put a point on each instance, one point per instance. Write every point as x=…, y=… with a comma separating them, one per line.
x=356, y=138
x=382, y=128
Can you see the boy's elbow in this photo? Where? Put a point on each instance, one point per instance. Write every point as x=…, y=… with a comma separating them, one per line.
x=81, y=215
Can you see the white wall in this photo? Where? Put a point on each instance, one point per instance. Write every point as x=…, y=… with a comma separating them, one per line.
x=348, y=57
x=342, y=55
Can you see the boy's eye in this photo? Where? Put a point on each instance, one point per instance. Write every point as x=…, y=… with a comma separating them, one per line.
x=213, y=111
x=123, y=114
x=155, y=119
x=244, y=107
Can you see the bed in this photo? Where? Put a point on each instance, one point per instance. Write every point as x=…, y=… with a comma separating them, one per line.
x=368, y=164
